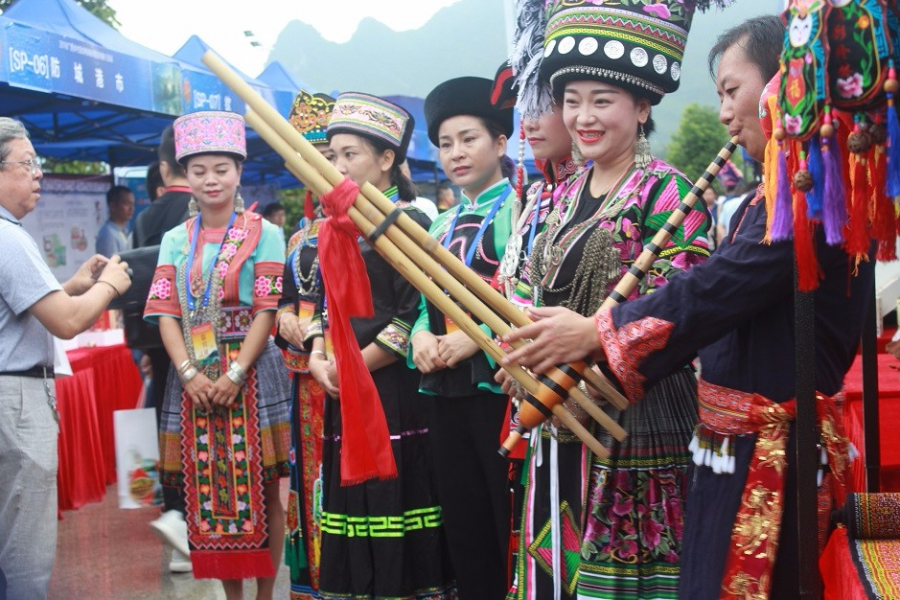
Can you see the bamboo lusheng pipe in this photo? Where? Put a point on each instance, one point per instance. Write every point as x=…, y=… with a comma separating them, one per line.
x=482, y=289
x=651, y=251
x=399, y=261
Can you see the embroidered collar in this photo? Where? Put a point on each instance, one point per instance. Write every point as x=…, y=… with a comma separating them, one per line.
x=556, y=172
x=392, y=193
x=488, y=196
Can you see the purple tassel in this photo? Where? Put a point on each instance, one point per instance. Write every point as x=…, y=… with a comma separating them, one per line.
x=892, y=185
x=835, y=196
x=783, y=221
x=816, y=170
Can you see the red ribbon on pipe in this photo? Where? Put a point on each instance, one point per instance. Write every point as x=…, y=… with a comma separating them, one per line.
x=366, y=441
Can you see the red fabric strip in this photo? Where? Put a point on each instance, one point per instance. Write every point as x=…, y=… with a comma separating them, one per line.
x=366, y=452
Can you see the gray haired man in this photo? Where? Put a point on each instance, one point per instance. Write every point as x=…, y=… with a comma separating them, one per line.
x=33, y=308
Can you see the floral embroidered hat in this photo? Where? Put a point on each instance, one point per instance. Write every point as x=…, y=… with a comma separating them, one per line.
x=634, y=44
x=373, y=117
x=310, y=115
x=209, y=131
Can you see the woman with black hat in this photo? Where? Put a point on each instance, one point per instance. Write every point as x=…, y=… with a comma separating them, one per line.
x=302, y=292
x=592, y=527
x=380, y=539
x=468, y=405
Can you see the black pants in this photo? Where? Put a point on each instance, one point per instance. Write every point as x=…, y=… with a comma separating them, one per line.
x=473, y=492
x=173, y=498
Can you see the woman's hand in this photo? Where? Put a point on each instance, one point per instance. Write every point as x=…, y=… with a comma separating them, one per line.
x=558, y=336
x=426, y=356
x=320, y=368
x=455, y=348
x=223, y=392
x=199, y=389
x=293, y=329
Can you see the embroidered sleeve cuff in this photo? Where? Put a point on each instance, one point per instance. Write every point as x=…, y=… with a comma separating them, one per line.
x=163, y=297
x=315, y=329
x=395, y=338
x=626, y=348
x=267, y=286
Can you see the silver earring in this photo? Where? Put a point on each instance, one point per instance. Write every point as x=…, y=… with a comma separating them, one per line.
x=238, y=201
x=642, y=156
x=193, y=208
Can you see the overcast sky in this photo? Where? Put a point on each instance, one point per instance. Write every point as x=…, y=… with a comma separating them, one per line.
x=165, y=25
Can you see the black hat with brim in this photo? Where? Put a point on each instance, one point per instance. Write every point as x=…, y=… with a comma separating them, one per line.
x=464, y=96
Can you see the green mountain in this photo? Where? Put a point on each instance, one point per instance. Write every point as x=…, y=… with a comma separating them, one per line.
x=470, y=38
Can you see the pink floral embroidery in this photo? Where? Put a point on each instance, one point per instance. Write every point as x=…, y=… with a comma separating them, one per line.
x=262, y=287
x=851, y=87
x=278, y=284
x=660, y=10
x=237, y=234
x=228, y=251
x=222, y=269
x=161, y=290
x=793, y=124
x=627, y=347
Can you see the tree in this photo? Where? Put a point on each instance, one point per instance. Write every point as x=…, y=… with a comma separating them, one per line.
x=98, y=8
x=698, y=140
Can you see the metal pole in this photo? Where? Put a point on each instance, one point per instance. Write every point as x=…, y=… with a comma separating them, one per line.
x=870, y=397
x=807, y=436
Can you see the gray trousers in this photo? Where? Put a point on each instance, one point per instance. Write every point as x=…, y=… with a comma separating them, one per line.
x=28, y=503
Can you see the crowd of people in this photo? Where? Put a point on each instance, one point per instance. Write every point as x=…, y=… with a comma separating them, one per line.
x=247, y=384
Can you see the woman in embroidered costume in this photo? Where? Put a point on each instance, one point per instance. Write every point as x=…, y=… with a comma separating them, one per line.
x=552, y=147
x=737, y=313
x=380, y=538
x=302, y=292
x=592, y=527
x=226, y=431
x=468, y=407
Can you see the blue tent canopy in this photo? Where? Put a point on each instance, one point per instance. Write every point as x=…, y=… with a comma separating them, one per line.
x=86, y=92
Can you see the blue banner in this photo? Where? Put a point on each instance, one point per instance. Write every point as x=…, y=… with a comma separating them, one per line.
x=47, y=62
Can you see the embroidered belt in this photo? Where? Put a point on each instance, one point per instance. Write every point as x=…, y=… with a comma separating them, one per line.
x=235, y=323
x=297, y=361
x=728, y=412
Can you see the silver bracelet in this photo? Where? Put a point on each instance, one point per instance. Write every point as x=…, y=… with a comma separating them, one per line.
x=236, y=374
x=318, y=352
x=188, y=374
x=184, y=365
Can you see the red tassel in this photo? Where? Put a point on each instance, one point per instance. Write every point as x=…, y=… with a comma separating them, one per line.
x=808, y=270
x=858, y=226
x=309, y=210
x=883, y=225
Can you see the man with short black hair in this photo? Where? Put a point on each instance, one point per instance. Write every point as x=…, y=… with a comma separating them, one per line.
x=113, y=237
x=33, y=308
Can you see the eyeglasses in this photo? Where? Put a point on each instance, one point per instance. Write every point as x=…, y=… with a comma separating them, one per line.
x=34, y=164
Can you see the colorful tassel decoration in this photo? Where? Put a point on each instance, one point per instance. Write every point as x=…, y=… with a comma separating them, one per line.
x=834, y=193
x=857, y=232
x=782, y=221
x=884, y=228
x=808, y=270
x=814, y=196
x=891, y=87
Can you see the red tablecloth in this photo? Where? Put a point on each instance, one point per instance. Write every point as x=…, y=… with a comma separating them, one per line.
x=889, y=422
x=105, y=380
